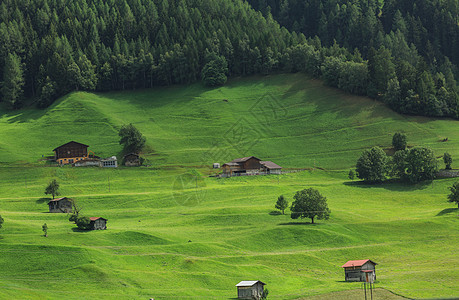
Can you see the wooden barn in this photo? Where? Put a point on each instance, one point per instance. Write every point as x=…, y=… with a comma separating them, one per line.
x=132, y=160
x=250, y=166
x=98, y=223
x=250, y=289
x=60, y=205
x=360, y=270
x=70, y=153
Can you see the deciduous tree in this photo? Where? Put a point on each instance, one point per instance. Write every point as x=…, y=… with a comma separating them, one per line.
x=372, y=165
x=399, y=141
x=45, y=229
x=309, y=203
x=448, y=160
x=131, y=138
x=454, y=195
x=52, y=188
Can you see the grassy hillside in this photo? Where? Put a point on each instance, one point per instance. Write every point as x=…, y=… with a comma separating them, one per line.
x=168, y=239
x=284, y=118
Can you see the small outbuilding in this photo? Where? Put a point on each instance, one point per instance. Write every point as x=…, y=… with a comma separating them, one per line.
x=110, y=162
x=250, y=289
x=98, y=223
x=271, y=168
x=60, y=205
x=132, y=160
x=360, y=270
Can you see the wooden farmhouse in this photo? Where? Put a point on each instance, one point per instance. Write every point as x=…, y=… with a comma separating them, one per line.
x=98, y=223
x=132, y=160
x=70, y=153
x=250, y=166
x=60, y=205
x=250, y=289
x=360, y=270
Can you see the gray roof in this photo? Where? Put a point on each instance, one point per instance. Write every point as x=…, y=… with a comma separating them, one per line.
x=249, y=283
x=270, y=165
x=243, y=159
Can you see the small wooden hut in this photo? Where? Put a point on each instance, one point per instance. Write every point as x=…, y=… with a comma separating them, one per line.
x=360, y=270
x=60, y=205
x=98, y=223
x=132, y=160
x=250, y=289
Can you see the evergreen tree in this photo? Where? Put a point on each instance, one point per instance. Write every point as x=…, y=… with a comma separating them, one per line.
x=281, y=203
x=13, y=81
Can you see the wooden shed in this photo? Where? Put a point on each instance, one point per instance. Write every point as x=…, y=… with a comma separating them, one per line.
x=98, y=223
x=250, y=289
x=360, y=270
x=270, y=168
x=132, y=160
x=70, y=153
x=60, y=205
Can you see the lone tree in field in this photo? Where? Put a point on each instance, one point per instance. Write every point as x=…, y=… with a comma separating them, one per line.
x=52, y=188
x=399, y=141
x=454, y=196
x=372, y=165
x=131, y=139
x=448, y=160
x=281, y=203
x=45, y=229
x=309, y=203
x=1, y=221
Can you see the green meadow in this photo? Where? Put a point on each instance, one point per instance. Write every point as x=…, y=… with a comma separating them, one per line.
x=176, y=233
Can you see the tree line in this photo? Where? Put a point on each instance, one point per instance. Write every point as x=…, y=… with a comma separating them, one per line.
x=405, y=52
x=51, y=47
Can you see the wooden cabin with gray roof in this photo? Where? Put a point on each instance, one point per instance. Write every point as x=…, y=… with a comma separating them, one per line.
x=252, y=289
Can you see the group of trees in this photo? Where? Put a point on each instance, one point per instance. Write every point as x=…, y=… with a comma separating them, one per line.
x=413, y=165
x=402, y=52
x=308, y=203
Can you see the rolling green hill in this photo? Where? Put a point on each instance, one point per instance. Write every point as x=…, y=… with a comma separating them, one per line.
x=168, y=239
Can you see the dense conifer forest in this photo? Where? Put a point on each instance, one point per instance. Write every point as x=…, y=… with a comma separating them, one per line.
x=410, y=47
x=400, y=52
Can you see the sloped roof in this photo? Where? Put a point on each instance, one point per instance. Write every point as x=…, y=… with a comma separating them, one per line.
x=72, y=142
x=270, y=165
x=249, y=283
x=357, y=263
x=97, y=218
x=243, y=159
x=58, y=199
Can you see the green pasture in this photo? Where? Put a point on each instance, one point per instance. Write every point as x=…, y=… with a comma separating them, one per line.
x=176, y=233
